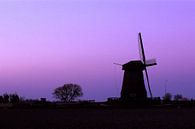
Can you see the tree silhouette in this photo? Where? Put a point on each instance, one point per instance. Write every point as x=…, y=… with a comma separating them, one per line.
x=5, y=98
x=68, y=92
x=178, y=97
x=1, y=99
x=14, y=98
x=167, y=97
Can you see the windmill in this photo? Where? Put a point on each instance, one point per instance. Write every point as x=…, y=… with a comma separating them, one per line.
x=133, y=86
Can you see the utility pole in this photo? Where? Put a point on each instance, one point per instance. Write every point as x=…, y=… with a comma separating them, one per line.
x=165, y=86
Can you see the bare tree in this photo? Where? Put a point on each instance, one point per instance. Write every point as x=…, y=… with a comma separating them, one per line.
x=68, y=92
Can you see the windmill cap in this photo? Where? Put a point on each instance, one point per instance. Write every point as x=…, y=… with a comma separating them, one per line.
x=134, y=65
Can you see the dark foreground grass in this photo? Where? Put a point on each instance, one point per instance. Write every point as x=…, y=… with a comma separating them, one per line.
x=156, y=118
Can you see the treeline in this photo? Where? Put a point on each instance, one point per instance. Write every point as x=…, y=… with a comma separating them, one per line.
x=9, y=98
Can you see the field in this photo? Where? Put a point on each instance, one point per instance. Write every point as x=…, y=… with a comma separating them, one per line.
x=101, y=118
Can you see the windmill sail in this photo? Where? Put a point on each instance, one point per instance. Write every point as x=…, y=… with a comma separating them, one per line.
x=143, y=59
x=148, y=83
x=141, y=49
x=151, y=62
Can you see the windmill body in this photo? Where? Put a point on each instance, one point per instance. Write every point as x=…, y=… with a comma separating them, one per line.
x=133, y=86
x=133, y=81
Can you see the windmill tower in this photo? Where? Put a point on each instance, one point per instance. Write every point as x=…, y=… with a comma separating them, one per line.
x=133, y=86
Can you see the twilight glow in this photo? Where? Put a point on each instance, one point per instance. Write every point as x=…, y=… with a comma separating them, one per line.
x=46, y=43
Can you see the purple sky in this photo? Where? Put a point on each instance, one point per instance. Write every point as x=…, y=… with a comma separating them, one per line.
x=46, y=43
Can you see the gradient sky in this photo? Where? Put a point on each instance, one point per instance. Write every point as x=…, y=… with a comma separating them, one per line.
x=46, y=43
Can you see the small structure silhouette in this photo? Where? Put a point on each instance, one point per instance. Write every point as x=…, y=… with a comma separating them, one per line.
x=133, y=86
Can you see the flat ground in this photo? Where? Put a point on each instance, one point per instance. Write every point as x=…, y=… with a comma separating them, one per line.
x=156, y=118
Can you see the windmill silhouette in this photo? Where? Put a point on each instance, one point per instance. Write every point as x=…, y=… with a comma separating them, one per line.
x=133, y=86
